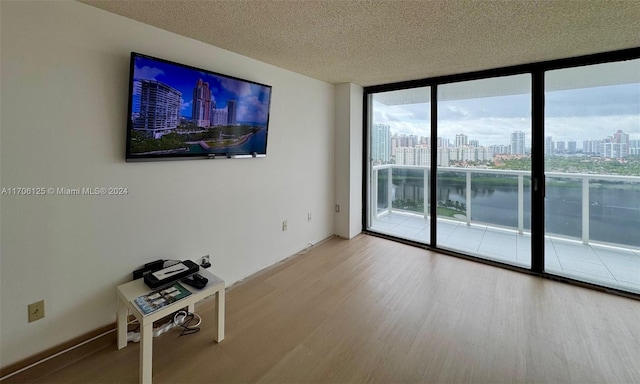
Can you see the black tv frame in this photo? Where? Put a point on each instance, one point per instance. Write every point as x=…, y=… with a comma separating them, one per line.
x=233, y=151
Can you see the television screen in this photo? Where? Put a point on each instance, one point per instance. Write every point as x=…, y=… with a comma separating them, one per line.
x=181, y=112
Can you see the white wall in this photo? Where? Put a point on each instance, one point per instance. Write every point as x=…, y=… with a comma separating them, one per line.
x=63, y=113
x=348, y=153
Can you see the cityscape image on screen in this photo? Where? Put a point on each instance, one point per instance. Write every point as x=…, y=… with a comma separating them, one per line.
x=181, y=111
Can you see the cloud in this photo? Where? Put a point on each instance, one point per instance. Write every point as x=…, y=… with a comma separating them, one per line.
x=238, y=88
x=591, y=128
x=185, y=105
x=596, y=101
x=579, y=114
x=454, y=111
x=253, y=109
x=147, y=73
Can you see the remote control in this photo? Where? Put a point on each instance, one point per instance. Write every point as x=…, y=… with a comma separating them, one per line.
x=196, y=281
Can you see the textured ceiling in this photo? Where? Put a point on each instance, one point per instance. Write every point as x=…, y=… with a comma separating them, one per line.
x=378, y=42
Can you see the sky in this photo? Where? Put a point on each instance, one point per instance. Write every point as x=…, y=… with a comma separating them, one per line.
x=253, y=99
x=577, y=114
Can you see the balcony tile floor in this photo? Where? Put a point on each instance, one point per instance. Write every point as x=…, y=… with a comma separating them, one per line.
x=599, y=264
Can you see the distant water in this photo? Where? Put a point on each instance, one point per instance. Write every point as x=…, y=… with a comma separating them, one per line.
x=614, y=213
x=256, y=143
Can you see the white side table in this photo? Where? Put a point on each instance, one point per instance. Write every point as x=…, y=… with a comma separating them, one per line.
x=136, y=288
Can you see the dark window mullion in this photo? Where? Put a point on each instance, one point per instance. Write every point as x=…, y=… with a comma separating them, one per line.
x=537, y=172
x=434, y=169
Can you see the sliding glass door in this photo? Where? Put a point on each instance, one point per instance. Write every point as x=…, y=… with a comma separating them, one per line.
x=592, y=169
x=466, y=163
x=483, y=182
x=399, y=163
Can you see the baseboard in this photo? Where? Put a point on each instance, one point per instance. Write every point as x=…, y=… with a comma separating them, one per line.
x=278, y=263
x=60, y=356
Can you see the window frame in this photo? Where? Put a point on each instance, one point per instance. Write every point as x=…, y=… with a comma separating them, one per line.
x=537, y=71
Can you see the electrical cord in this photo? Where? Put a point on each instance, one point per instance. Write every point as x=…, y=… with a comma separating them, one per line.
x=181, y=319
x=184, y=320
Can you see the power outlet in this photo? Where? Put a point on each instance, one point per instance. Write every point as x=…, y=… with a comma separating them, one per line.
x=205, y=261
x=36, y=311
x=284, y=225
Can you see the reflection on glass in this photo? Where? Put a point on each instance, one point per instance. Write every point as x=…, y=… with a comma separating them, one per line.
x=592, y=165
x=484, y=167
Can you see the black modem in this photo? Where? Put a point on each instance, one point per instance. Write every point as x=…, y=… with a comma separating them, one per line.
x=171, y=274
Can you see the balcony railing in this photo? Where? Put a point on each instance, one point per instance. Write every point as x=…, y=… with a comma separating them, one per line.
x=574, y=180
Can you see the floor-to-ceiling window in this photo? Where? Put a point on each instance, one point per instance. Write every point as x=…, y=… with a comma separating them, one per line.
x=592, y=169
x=400, y=158
x=483, y=198
x=450, y=161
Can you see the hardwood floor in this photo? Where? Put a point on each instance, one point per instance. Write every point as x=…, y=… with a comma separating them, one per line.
x=370, y=310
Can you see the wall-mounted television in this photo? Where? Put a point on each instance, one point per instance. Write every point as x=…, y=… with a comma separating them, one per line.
x=181, y=112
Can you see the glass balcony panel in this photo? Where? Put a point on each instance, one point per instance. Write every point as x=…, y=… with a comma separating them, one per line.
x=452, y=195
x=382, y=203
x=563, y=202
x=614, y=211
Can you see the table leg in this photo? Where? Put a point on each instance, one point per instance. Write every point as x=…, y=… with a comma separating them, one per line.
x=220, y=311
x=123, y=313
x=146, y=344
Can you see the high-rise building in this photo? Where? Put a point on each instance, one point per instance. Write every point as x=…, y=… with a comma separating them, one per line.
x=443, y=142
x=404, y=141
x=413, y=141
x=483, y=154
x=212, y=112
x=404, y=156
x=469, y=154
x=517, y=143
x=621, y=143
x=395, y=143
x=615, y=147
x=474, y=143
x=159, y=108
x=422, y=156
x=591, y=147
x=461, y=140
x=381, y=144
x=201, y=104
x=443, y=156
x=634, y=147
x=548, y=146
x=232, y=111
x=219, y=117
x=500, y=149
x=572, y=146
x=560, y=147
x=606, y=149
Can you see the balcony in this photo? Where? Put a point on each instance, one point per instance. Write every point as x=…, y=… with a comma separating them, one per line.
x=592, y=220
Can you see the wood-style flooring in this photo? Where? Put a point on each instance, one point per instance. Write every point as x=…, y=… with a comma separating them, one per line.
x=370, y=310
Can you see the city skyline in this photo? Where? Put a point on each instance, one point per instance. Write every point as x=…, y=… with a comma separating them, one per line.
x=462, y=139
x=570, y=115
x=403, y=149
x=252, y=100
